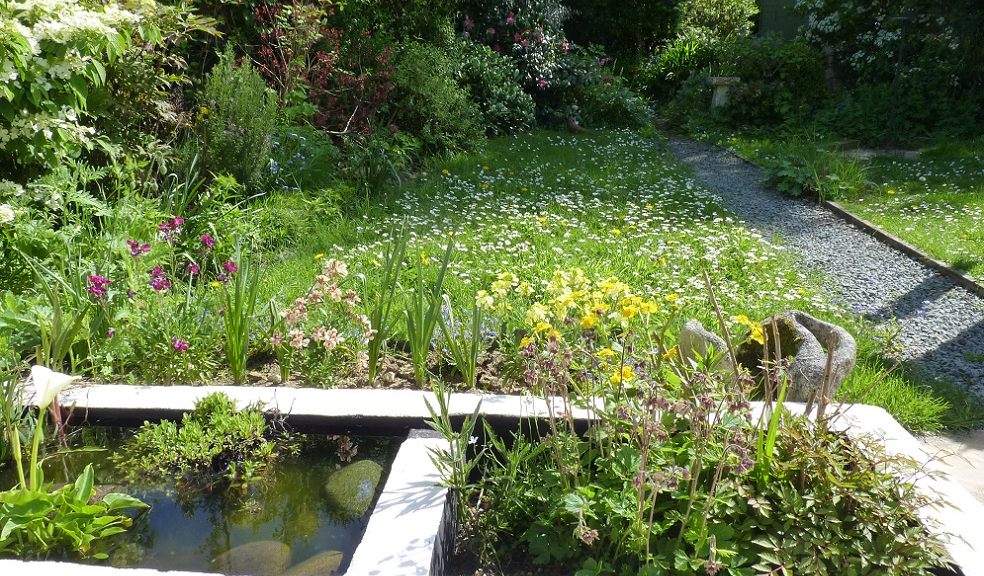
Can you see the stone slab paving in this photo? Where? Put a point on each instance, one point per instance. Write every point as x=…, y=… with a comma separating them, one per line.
x=942, y=325
x=962, y=457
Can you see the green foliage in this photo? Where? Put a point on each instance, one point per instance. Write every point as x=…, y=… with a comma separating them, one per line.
x=238, y=301
x=428, y=103
x=493, y=82
x=237, y=118
x=611, y=102
x=780, y=81
x=653, y=488
x=627, y=29
x=213, y=446
x=381, y=303
x=463, y=343
x=660, y=75
x=66, y=521
x=721, y=19
x=423, y=312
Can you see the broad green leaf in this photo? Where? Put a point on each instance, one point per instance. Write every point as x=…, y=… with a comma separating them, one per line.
x=83, y=486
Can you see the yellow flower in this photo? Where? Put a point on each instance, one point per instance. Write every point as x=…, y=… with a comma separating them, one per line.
x=629, y=311
x=543, y=220
x=524, y=289
x=754, y=328
x=203, y=111
x=649, y=206
x=424, y=260
x=483, y=299
x=541, y=327
x=672, y=297
x=670, y=353
x=616, y=232
x=649, y=307
x=319, y=256
x=485, y=167
x=536, y=314
x=626, y=374
x=524, y=189
x=891, y=191
x=445, y=172
x=215, y=284
x=606, y=353
x=589, y=321
x=375, y=263
x=526, y=341
x=485, y=185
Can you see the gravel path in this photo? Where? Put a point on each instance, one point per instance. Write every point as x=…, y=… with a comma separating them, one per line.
x=942, y=325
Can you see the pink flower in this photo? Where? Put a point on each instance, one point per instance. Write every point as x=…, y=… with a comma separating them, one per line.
x=178, y=344
x=334, y=292
x=194, y=269
x=335, y=269
x=541, y=83
x=566, y=47
x=98, y=286
x=137, y=249
x=207, y=240
x=510, y=18
x=111, y=332
x=172, y=228
x=297, y=339
x=516, y=37
x=276, y=339
x=158, y=280
x=331, y=339
x=469, y=23
x=230, y=267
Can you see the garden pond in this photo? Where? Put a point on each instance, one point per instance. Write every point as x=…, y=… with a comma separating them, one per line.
x=295, y=519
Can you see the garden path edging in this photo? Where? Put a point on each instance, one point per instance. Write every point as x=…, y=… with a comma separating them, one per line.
x=940, y=322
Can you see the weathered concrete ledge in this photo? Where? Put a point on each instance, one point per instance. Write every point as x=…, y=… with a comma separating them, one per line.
x=352, y=409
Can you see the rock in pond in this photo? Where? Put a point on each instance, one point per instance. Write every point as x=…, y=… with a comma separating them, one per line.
x=264, y=558
x=351, y=489
x=323, y=564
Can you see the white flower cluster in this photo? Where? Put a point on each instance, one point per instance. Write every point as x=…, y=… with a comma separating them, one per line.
x=50, y=42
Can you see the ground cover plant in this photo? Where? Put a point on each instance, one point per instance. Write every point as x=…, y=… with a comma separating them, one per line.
x=676, y=473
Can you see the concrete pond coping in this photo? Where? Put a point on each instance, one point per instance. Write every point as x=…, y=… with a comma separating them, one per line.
x=400, y=545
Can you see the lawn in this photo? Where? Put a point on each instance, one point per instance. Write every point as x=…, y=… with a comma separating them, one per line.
x=609, y=204
x=935, y=203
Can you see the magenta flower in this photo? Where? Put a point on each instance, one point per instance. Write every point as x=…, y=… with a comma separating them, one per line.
x=172, y=228
x=179, y=344
x=98, y=286
x=194, y=269
x=159, y=280
x=137, y=249
x=469, y=23
x=207, y=240
x=230, y=267
x=510, y=18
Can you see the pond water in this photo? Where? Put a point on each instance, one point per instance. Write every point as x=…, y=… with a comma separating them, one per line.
x=283, y=524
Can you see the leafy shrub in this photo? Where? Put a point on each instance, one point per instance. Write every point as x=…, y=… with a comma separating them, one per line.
x=493, y=82
x=661, y=74
x=611, y=102
x=237, y=118
x=780, y=81
x=626, y=29
x=427, y=103
x=214, y=445
x=721, y=19
x=913, y=67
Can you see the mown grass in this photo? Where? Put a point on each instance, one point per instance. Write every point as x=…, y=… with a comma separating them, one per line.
x=935, y=203
x=611, y=204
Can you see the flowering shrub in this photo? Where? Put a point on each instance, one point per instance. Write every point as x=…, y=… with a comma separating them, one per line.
x=318, y=326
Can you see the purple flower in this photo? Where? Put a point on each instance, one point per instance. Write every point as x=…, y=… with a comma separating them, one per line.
x=172, y=228
x=230, y=267
x=130, y=294
x=207, y=240
x=137, y=249
x=111, y=332
x=194, y=269
x=98, y=286
x=178, y=344
x=158, y=280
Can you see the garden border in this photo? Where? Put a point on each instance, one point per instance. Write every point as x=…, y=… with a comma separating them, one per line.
x=957, y=520
x=956, y=276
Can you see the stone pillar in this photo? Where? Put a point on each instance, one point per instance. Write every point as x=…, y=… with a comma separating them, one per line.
x=721, y=86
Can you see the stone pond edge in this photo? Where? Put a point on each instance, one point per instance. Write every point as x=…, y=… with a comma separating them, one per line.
x=958, y=519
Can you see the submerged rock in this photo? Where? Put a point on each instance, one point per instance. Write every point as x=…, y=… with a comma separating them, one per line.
x=351, y=489
x=324, y=564
x=264, y=558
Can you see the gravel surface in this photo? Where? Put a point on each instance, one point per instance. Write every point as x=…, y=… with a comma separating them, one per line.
x=942, y=325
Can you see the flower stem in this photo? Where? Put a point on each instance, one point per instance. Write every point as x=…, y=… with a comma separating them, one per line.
x=36, y=441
